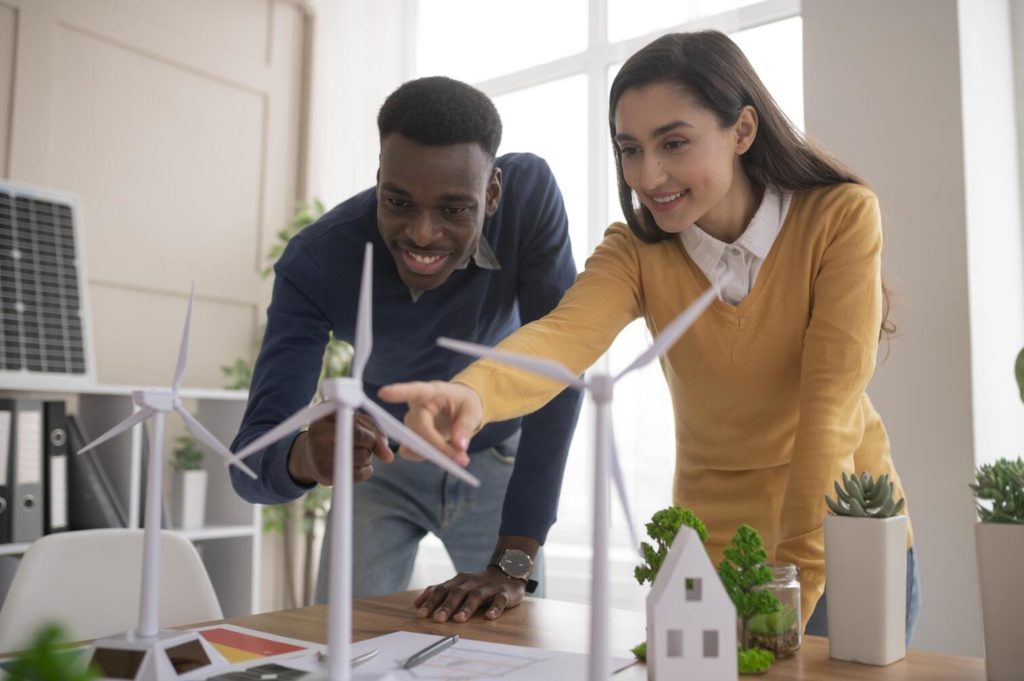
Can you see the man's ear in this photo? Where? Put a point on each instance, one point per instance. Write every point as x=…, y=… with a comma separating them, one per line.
x=493, y=192
x=746, y=129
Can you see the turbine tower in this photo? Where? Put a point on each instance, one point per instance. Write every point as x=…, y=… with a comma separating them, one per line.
x=601, y=387
x=148, y=654
x=342, y=396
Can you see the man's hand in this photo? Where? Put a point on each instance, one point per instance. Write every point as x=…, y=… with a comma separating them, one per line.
x=460, y=597
x=311, y=458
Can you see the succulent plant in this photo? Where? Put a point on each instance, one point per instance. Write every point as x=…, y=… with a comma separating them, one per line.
x=865, y=497
x=1002, y=484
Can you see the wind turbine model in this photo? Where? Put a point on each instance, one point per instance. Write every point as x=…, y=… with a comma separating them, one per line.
x=342, y=396
x=148, y=654
x=601, y=387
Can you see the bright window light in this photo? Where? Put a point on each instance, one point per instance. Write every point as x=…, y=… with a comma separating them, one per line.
x=474, y=41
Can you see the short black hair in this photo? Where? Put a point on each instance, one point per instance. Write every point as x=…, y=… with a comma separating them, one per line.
x=440, y=111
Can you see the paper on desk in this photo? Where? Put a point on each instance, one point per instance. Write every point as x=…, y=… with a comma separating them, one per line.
x=468, y=659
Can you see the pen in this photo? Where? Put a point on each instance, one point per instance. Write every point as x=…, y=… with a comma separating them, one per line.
x=431, y=650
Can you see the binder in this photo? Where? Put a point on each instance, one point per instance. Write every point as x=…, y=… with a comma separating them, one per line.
x=55, y=468
x=6, y=438
x=92, y=501
x=25, y=470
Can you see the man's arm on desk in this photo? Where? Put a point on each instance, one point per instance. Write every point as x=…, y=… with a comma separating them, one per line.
x=547, y=270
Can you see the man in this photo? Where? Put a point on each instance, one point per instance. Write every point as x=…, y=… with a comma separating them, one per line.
x=466, y=246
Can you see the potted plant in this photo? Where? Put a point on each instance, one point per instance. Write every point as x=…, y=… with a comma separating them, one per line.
x=999, y=541
x=188, y=484
x=304, y=516
x=866, y=571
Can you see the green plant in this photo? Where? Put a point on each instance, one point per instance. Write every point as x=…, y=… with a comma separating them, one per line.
x=865, y=497
x=773, y=624
x=186, y=456
x=754, y=660
x=237, y=375
x=640, y=651
x=742, y=571
x=1001, y=485
x=662, y=529
x=306, y=213
x=49, y=659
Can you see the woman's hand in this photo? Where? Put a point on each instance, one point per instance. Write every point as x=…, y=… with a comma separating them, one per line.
x=445, y=414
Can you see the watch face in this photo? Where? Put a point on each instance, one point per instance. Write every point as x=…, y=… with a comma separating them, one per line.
x=515, y=563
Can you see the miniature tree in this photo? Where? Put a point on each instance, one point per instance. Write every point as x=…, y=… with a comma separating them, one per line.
x=663, y=528
x=742, y=571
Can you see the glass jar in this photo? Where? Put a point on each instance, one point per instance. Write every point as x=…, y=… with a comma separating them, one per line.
x=779, y=632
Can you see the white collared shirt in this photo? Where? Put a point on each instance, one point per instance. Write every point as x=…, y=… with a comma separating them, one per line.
x=733, y=267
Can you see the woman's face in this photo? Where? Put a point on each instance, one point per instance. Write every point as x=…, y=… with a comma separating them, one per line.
x=679, y=160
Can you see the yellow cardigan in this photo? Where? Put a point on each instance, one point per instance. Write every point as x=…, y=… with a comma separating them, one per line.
x=768, y=395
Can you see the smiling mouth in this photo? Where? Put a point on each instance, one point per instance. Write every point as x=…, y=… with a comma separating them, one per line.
x=423, y=263
x=668, y=201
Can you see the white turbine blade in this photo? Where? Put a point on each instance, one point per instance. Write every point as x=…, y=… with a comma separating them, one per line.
x=127, y=424
x=536, y=365
x=179, y=371
x=671, y=333
x=364, y=317
x=620, y=489
x=210, y=440
x=288, y=426
x=399, y=432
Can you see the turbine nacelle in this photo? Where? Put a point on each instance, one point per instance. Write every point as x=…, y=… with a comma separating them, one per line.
x=348, y=391
x=157, y=400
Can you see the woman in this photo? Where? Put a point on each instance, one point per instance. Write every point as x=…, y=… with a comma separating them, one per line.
x=768, y=386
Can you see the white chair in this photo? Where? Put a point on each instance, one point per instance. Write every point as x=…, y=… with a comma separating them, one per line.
x=89, y=582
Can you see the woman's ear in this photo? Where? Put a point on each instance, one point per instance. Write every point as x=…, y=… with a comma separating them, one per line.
x=746, y=129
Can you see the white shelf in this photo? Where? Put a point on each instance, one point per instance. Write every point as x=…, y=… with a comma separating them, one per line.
x=230, y=543
x=220, y=532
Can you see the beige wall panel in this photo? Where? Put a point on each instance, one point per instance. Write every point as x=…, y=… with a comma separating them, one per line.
x=138, y=334
x=283, y=123
x=8, y=35
x=241, y=26
x=167, y=162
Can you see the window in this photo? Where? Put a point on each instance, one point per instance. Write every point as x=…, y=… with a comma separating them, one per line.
x=710, y=643
x=674, y=644
x=693, y=589
x=548, y=67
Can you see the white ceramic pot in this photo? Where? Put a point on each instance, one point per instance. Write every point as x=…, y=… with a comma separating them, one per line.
x=1000, y=549
x=866, y=583
x=188, y=494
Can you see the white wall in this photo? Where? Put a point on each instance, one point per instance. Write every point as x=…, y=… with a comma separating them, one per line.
x=915, y=96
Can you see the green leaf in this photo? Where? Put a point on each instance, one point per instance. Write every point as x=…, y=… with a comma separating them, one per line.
x=754, y=660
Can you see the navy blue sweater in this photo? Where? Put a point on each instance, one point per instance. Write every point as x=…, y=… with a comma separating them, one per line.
x=316, y=290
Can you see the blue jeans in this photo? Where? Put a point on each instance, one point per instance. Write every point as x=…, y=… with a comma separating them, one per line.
x=406, y=499
x=818, y=624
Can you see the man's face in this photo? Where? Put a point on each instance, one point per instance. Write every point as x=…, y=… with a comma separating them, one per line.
x=431, y=205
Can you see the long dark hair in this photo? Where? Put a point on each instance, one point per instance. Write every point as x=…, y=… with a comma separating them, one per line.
x=710, y=67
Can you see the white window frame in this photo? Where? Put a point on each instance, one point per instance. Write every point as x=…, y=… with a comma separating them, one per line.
x=569, y=545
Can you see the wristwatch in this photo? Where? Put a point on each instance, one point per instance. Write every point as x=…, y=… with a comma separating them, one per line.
x=513, y=562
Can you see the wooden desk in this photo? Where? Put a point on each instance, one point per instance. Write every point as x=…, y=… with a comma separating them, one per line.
x=559, y=625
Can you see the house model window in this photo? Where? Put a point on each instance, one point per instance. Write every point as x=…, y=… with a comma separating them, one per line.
x=710, y=643
x=693, y=588
x=674, y=645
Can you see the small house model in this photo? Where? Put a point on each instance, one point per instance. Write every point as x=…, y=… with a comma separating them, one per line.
x=691, y=621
